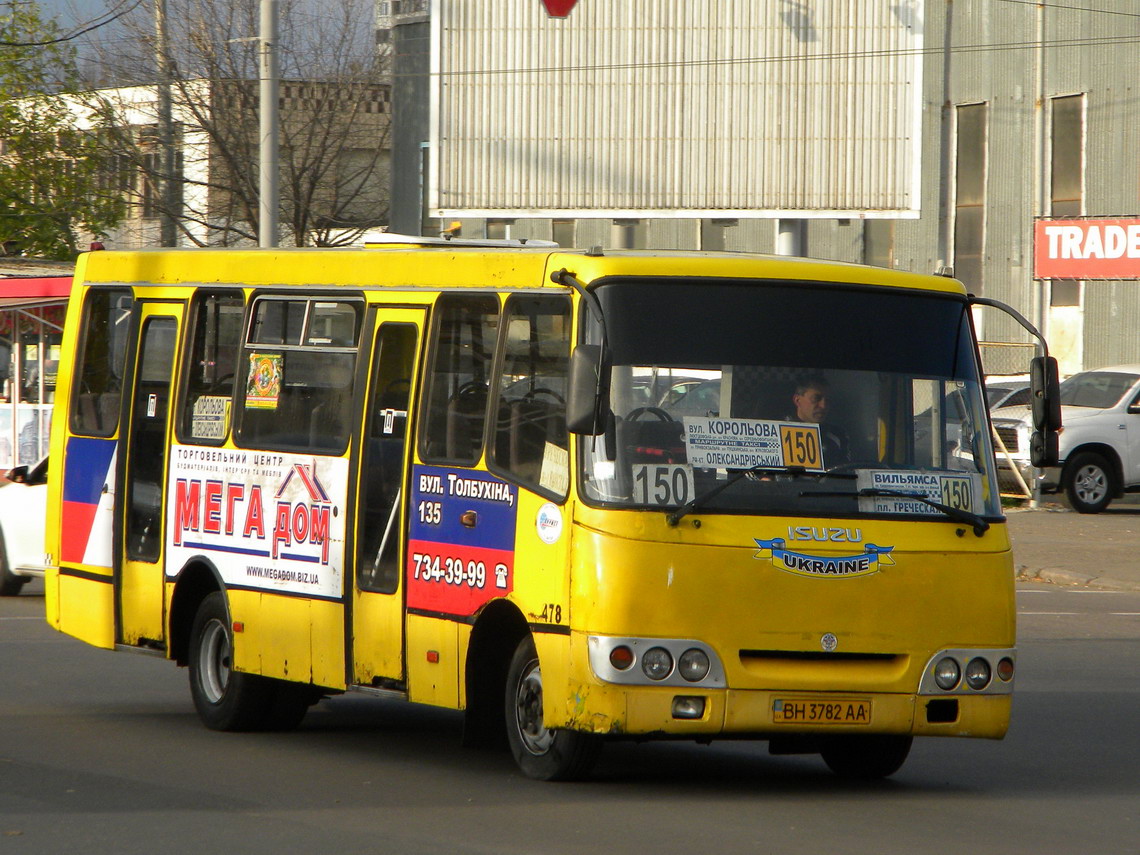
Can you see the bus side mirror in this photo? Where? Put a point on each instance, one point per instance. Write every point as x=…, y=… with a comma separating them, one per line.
x=587, y=395
x=1045, y=390
x=1046, y=404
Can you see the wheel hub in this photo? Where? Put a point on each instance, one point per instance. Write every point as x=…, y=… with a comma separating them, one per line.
x=215, y=659
x=1091, y=484
x=528, y=712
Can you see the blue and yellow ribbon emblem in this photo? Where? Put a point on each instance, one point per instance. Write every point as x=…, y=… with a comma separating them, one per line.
x=873, y=559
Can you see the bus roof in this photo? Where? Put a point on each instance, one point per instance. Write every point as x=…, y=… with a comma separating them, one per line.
x=450, y=264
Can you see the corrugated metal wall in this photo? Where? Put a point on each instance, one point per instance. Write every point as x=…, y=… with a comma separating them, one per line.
x=666, y=108
x=1091, y=49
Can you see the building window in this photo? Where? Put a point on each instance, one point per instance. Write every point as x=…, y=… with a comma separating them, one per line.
x=970, y=196
x=562, y=233
x=1067, y=180
x=879, y=243
x=499, y=229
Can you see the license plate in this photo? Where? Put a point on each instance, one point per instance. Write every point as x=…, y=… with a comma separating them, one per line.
x=820, y=711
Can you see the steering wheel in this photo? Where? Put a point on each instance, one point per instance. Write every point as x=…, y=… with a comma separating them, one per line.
x=638, y=412
x=468, y=389
x=542, y=390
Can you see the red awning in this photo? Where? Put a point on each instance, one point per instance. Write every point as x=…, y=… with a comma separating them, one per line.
x=16, y=291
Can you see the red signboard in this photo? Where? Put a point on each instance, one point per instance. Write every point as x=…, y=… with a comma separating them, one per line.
x=558, y=8
x=1086, y=249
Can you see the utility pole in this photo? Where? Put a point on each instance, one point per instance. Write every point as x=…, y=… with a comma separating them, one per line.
x=945, y=215
x=270, y=74
x=168, y=187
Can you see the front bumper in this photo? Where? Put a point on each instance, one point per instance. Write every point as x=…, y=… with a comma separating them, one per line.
x=734, y=713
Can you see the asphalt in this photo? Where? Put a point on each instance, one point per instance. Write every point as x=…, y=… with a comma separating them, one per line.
x=1056, y=545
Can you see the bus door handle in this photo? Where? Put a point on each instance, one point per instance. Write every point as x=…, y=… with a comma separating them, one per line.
x=468, y=519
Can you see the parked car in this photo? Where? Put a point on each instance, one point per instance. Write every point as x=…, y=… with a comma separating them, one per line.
x=692, y=398
x=1003, y=394
x=1099, y=447
x=23, y=505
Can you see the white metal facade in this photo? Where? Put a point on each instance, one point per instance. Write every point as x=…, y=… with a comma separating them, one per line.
x=676, y=108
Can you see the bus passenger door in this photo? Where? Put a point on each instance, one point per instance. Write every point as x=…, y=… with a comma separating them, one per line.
x=377, y=633
x=139, y=584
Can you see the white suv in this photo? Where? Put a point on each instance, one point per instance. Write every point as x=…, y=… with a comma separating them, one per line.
x=1099, y=450
x=23, y=505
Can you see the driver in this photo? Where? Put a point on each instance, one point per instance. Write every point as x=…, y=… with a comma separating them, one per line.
x=809, y=403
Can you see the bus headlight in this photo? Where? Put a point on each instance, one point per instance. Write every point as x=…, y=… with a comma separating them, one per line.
x=978, y=673
x=657, y=663
x=968, y=671
x=693, y=665
x=947, y=673
x=632, y=661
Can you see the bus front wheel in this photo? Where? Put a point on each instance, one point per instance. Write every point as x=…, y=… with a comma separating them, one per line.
x=225, y=699
x=866, y=757
x=542, y=753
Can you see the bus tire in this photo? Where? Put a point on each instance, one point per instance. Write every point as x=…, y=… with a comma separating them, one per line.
x=225, y=699
x=866, y=758
x=542, y=754
x=1089, y=482
x=10, y=583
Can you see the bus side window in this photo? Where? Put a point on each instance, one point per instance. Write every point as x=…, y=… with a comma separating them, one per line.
x=211, y=370
x=531, y=443
x=296, y=375
x=465, y=330
x=99, y=375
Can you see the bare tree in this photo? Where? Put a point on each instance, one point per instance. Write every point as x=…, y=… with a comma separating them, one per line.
x=334, y=114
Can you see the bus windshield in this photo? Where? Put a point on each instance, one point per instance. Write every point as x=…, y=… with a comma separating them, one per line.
x=831, y=401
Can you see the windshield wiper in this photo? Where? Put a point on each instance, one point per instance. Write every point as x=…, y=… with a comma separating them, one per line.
x=795, y=471
x=957, y=514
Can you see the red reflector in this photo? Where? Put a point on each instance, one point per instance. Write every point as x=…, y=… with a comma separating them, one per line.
x=433, y=656
x=1005, y=669
x=239, y=626
x=621, y=657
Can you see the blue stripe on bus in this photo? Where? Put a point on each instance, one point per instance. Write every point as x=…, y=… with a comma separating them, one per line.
x=86, y=468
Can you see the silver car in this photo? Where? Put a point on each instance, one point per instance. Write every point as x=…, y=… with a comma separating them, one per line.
x=1099, y=448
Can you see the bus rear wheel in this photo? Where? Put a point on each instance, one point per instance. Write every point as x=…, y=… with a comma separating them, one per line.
x=225, y=699
x=866, y=758
x=542, y=753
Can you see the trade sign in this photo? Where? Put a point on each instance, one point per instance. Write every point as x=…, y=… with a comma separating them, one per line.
x=1086, y=249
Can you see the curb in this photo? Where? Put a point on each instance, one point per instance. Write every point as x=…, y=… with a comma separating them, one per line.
x=1071, y=579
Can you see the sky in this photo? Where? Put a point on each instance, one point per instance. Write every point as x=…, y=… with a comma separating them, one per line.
x=98, y=19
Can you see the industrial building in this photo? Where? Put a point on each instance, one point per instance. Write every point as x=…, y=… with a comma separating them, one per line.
x=995, y=116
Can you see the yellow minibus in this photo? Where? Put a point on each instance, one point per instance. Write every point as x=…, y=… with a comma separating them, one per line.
x=579, y=495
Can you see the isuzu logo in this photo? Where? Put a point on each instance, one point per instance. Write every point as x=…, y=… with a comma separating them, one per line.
x=825, y=534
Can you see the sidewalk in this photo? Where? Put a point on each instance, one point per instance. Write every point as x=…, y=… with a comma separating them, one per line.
x=1057, y=545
